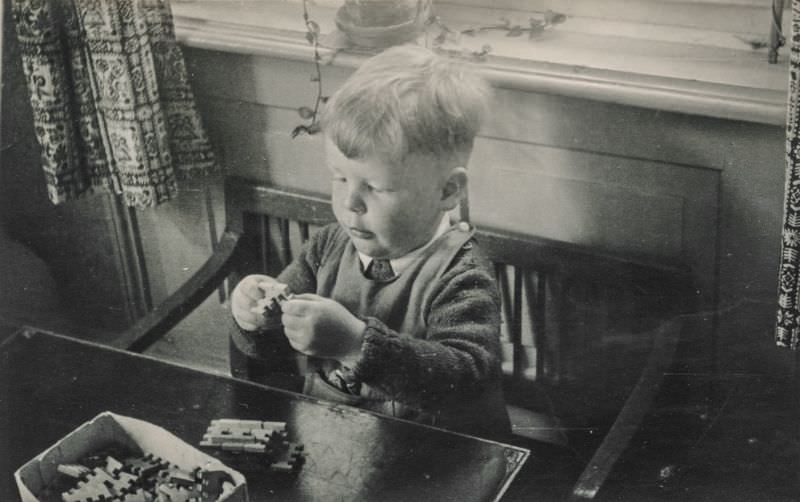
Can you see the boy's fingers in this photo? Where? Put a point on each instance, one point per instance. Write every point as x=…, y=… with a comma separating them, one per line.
x=244, y=315
x=245, y=323
x=290, y=323
x=246, y=326
x=257, y=278
x=251, y=291
x=307, y=297
x=297, y=346
x=296, y=306
x=249, y=286
x=267, y=285
x=239, y=311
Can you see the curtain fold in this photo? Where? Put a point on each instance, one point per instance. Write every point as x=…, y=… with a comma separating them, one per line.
x=112, y=105
x=787, y=331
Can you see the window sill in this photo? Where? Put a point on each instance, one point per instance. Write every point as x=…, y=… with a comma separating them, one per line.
x=666, y=68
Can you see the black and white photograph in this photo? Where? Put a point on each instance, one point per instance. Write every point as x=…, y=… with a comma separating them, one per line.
x=400, y=250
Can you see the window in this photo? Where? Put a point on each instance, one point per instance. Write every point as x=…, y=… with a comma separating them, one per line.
x=730, y=16
x=706, y=56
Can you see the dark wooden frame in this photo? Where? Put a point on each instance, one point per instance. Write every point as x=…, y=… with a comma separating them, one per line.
x=247, y=241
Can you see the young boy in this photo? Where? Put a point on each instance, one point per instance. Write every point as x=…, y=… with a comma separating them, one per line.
x=397, y=309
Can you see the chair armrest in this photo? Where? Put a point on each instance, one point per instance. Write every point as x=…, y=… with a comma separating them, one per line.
x=632, y=414
x=192, y=293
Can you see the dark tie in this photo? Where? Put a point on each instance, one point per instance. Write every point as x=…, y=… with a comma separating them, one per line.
x=380, y=270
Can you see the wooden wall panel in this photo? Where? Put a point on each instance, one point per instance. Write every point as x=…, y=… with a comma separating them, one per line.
x=177, y=235
x=258, y=79
x=616, y=202
x=585, y=212
x=255, y=141
x=527, y=117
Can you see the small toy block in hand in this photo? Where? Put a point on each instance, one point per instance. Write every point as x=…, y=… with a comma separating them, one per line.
x=275, y=293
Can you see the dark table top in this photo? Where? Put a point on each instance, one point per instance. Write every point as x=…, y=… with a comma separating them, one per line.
x=50, y=384
x=713, y=437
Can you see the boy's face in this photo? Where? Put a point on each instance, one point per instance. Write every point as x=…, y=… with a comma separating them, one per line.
x=386, y=210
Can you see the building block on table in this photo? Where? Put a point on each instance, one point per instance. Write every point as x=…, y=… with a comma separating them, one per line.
x=113, y=466
x=88, y=491
x=181, y=478
x=287, y=458
x=267, y=438
x=212, y=482
x=137, y=496
x=145, y=466
x=73, y=470
x=138, y=479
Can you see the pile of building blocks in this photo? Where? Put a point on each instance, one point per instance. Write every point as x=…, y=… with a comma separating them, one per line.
x=266, y=439
x=104, y=478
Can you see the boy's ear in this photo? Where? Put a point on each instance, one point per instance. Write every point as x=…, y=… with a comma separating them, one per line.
x=454, y=189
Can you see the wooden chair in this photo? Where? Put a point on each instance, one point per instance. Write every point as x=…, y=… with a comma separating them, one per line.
x=586, y=332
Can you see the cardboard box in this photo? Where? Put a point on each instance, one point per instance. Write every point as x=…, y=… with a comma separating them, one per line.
x=108, y=428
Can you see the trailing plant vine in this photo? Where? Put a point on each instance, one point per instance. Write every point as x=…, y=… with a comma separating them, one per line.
x=312, y=114
x=535, y=28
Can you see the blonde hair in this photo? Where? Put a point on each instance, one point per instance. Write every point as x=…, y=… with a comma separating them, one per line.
x=406, y=101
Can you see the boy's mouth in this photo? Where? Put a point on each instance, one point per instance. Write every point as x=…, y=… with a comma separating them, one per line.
x=361, y=234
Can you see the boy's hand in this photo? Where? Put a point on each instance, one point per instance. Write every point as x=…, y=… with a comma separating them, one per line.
x=322, y=327
x=245, y=298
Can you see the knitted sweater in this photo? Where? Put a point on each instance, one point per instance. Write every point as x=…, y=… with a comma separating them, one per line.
x=431, y=348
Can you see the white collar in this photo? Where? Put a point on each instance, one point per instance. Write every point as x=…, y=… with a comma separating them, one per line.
x=401, y=263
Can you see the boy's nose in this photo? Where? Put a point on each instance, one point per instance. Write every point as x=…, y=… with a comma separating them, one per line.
x=354, y=202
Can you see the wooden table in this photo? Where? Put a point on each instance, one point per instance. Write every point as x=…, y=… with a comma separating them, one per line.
x=50, y=384
x=724, y=433
x=713, y=437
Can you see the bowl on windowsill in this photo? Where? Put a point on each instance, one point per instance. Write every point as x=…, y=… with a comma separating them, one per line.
x=380, y=29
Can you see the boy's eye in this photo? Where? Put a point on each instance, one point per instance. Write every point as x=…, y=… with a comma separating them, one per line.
x=378, y=189
x=338, y=179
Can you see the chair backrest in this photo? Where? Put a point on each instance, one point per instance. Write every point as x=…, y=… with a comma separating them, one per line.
x=575, y=319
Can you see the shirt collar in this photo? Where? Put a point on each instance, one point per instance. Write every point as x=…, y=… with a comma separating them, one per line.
x=401, y=263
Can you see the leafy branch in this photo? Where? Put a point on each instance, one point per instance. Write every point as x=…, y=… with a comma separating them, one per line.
x=535, y=28
x=306, y=113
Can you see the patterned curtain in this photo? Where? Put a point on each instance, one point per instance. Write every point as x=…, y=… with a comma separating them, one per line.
x=788, y=330
x=111, y=102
